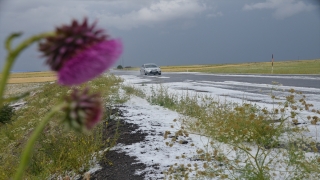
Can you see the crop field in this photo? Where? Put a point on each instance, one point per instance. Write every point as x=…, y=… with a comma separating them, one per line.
x=279, y=67
x=19, y=83
x=32, y=77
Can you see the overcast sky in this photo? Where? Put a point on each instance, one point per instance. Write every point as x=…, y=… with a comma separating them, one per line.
x=176, y=32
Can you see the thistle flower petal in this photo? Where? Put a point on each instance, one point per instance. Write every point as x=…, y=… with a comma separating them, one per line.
x=90, y=63
x=80, y=52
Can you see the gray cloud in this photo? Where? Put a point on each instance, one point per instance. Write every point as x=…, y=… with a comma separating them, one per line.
x=121, y=14
x=282, y=8
x=217, y=14
x=156, y=12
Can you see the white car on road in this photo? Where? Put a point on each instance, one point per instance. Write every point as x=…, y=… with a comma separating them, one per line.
x=150, y=68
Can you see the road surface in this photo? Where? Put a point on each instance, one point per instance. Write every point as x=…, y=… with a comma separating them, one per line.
x=261, y=84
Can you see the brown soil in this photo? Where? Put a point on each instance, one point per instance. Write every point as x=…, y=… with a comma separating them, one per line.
x=117, y=165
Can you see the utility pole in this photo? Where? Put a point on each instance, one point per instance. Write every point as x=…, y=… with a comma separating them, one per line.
x=272, y=65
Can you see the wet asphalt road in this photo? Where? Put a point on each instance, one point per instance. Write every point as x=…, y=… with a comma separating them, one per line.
x=308, y=81
x=256, y=85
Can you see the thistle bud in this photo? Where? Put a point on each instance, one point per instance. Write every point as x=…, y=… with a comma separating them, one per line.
x=83, y=110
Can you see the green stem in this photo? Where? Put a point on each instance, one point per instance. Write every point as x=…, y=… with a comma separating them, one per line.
x=4, y=77
x=26, y=153
x=249, y=154
x=259, y=166
x=11, y=57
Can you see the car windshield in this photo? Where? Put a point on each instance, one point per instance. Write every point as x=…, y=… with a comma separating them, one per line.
x=151, y=66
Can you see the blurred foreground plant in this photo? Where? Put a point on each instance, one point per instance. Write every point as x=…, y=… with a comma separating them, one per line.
x=6, y=112
x=78, y=53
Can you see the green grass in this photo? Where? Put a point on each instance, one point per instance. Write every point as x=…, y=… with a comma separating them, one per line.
x=130, y=69
x=131, y=90
x=58, y=151
x=279, y=67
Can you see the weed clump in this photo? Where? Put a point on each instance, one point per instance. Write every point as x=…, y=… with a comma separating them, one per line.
x=246, y=141
x=6, y=113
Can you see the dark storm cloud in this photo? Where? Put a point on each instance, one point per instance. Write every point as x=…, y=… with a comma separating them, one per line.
x=175, y=32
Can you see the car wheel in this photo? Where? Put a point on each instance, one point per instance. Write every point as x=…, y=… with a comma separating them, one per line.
x=159, y=73
x=145, y=73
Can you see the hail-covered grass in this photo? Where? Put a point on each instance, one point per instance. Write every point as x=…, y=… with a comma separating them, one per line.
x=246, y=141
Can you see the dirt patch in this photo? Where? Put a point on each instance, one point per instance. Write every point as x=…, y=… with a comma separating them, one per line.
x=117, y=165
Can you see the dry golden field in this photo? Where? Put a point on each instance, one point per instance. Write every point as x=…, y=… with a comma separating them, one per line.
x=30, y=80
x=32, y=77
x=19, y=83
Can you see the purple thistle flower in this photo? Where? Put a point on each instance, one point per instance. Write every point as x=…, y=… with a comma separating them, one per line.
x=82, y=110
x=90, y=63
x=79, y=52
